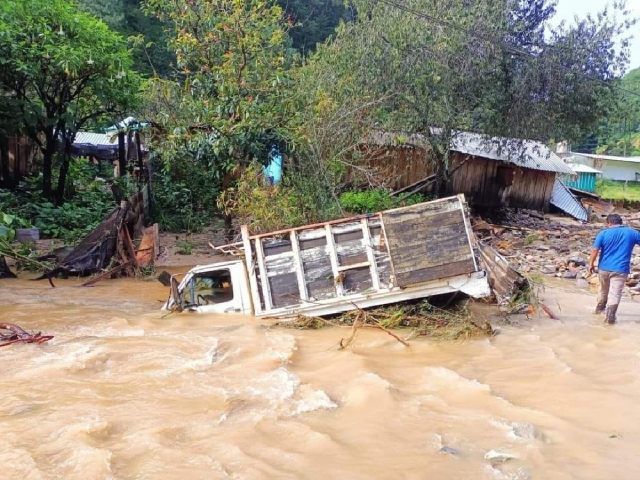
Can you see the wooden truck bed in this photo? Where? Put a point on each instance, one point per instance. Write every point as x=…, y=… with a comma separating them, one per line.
x=395, y=255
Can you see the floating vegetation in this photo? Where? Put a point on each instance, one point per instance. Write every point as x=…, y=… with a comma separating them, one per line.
x=422, y=318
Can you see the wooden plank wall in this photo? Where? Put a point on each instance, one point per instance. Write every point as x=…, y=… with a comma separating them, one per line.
x=16, y=160
x=398, y=167
x=394, y=167
x=290, y=283
x=477, y=179
x=428, y=241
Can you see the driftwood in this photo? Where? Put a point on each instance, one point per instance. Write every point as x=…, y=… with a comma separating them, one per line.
x=17, y=334
x=548, y=311
x=106, y=274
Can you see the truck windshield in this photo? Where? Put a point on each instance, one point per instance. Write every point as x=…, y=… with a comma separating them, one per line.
x=208, y=288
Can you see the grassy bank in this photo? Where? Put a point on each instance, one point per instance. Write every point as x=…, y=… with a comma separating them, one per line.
x=618, y=191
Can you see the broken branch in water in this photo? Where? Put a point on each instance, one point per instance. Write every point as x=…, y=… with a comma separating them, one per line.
x=19, y=335
x=548, y=311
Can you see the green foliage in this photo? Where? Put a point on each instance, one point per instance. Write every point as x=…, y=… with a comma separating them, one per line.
x=183, y=196
x=185, y=247
x=89, y=201
x=313, y=21
x=619, y=133
x=232, y=101
x=529, y=239
x=614, y=190
x=151, y=55
x=63, y=69
x=8, y=224
x=401, y=72
x=263, y=207
x=71, y=221
x=371, y=201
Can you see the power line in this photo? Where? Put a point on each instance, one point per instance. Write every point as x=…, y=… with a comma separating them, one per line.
x=501, y=44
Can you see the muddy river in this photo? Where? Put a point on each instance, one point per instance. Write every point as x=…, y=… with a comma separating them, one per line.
x=121, y=393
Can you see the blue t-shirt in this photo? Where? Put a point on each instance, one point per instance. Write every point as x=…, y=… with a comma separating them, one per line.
x=616, y=245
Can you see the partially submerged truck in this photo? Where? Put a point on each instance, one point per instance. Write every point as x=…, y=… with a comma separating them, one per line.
x=369, y=260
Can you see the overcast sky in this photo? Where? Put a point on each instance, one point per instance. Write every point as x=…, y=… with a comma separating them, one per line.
x=567, y=9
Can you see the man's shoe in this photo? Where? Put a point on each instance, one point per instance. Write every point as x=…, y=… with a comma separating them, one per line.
x=600, y=309
x=610, y=317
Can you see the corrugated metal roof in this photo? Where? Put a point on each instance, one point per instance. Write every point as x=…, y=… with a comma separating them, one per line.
x=562, y=198
x=608, y=157
x=89, y=138
x=524, y=153
x=579, y=168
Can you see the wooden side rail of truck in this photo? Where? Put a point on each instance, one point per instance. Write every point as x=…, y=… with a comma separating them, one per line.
x=392, y=256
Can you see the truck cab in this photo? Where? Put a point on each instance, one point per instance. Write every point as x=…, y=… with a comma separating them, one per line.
x=216, y=288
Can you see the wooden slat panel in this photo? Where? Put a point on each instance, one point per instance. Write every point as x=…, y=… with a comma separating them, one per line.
x=284, y=290
x=428, y=241
x=357, y=280
x=443, y=271
x=275, y=247
x=280, y=264
x=318, y=275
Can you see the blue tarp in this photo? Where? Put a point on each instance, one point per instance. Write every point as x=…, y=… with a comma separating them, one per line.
x=273, y=171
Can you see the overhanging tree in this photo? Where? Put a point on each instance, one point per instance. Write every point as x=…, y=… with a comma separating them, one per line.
x=480, y=65
x=64, y=69
x=232, y=102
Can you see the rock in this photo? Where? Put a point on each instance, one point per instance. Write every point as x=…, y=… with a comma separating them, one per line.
x=450, y=451
x=498, y=456
x=551, y=253
x=542, y=247
x=578, y=261
x=582, y=283
x=527, y=431
x=571, y=274
x=549, y=269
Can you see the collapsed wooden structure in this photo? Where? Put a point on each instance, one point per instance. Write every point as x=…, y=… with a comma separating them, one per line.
x=109, y=250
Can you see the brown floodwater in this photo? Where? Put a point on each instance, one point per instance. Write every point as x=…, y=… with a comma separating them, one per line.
x=122, y=393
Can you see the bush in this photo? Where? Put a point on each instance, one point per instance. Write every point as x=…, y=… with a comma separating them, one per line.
x=89, y=201
x=370, y=201
x=263, y=207
x=184, y=198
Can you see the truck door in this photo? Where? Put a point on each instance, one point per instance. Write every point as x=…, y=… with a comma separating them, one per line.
x=214, y=291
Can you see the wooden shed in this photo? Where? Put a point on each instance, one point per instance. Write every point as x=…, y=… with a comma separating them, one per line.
x=489, y=171
x=17, y=156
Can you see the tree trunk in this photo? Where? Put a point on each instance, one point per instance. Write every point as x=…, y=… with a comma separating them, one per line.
x=47, y=167
x=4, y=162
x=64, y=170
x=122, y=155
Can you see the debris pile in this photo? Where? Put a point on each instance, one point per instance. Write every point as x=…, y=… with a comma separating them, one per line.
x=10, y=334
x=108, y=250
x=536, y=245
x=423, y=318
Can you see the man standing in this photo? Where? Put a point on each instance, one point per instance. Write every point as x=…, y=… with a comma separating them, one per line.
x=615, y=245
